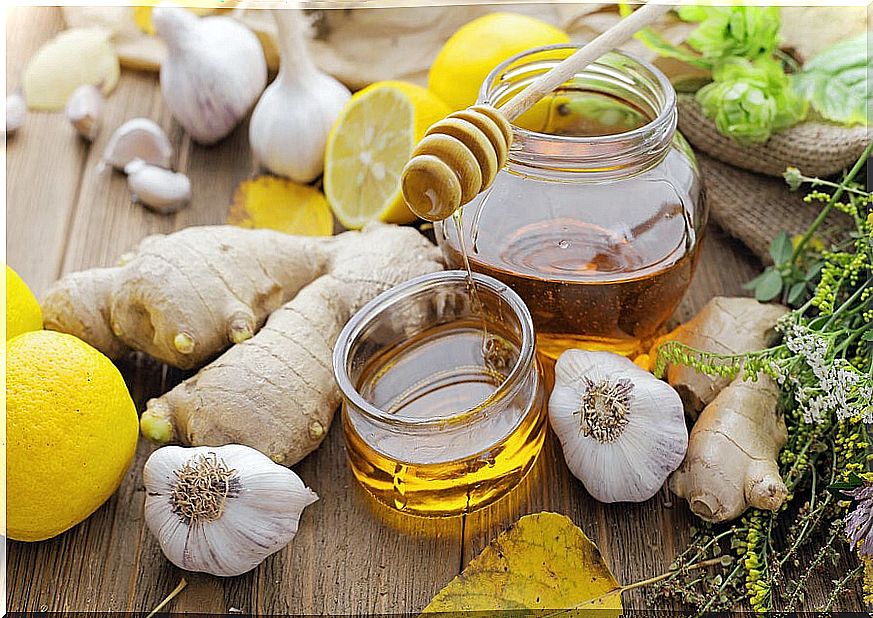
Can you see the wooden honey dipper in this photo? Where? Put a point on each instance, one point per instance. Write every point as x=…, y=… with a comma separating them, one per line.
x=460, y=155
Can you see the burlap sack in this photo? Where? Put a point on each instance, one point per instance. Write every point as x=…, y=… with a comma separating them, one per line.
x=817, y=148
x=754, y=208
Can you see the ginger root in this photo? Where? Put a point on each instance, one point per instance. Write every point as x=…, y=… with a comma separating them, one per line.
x=731, y=463
x=725, y=325
x=185, y=297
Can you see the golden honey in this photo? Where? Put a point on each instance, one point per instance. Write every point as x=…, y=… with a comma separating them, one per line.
x=435, y=422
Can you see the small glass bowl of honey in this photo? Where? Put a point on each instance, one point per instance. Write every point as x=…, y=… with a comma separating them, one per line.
x=444, y=405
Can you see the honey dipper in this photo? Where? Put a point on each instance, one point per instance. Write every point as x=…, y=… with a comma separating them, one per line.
x=460, y=155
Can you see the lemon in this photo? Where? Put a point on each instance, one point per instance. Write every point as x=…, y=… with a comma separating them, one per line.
x=22, y=310
x=480, y=45
x=268, y=202
x=71, y=432
x=368, y=146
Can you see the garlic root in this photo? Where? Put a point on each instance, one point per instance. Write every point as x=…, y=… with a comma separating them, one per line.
x=160, y=189
x=274, y=391
x=213, y=72
x=732, y=454
x=725, y=325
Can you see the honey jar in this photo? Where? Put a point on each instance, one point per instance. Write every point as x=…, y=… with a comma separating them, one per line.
x=597, y=218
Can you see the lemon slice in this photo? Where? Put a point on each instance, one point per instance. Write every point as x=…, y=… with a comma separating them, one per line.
x=368, y=146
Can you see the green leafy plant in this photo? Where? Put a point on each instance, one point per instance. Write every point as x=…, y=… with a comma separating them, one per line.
x=835, y=81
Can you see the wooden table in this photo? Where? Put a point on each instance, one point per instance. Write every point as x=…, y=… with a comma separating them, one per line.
x=351, y=555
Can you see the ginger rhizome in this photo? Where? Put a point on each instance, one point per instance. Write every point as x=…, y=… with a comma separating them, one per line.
x=731, y=463
x=725, y=325
x=186, y=297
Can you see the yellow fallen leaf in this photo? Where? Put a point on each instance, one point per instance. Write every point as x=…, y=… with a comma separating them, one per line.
x=73, y=58
x=543, y=562
x=279, y=204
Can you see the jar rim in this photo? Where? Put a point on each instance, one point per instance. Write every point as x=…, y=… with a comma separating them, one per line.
x=663, y=116
x=375, y=307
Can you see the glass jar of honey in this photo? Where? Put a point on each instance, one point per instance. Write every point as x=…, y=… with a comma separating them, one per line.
x=444, y=408
x=597, y=218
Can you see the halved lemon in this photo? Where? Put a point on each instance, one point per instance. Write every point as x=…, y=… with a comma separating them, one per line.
x=368, y=146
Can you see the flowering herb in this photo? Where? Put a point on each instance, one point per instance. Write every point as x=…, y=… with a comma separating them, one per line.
x=824, y=366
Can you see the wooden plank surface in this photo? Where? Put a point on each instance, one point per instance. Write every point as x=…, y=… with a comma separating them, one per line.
x=351, y=556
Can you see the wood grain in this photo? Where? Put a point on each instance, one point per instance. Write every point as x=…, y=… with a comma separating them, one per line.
x=352, y=556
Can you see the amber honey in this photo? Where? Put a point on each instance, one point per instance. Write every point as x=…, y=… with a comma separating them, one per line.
x=436, y=423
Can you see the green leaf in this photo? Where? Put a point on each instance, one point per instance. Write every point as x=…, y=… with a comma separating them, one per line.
x=753, y=283
x=796, y=292
x=769, y=287
x=813, y=271
x=835, y=81
x=868, y=335
x=781, y=248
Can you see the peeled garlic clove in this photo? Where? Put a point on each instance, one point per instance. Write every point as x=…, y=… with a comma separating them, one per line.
x=139, y=138
x=213, y=73
x=162, y=190
x=84, y=110
x=221, y=510
x=16, y=110
x=621, y=429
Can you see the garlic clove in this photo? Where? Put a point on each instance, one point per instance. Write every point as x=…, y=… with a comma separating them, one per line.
x=16, y=111
x=84, y=110
x=290, y=124
x=213, y=73
x=139, y=138
x=621, y=429
x=162, y=190
x=247, y=509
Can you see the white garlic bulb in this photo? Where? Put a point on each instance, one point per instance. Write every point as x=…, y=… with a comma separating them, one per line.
x=162, y=190
x=621, y=429
x=84, y=110
x=290, y=125
x=213, y=73
x=221, y=510
x=138, y=138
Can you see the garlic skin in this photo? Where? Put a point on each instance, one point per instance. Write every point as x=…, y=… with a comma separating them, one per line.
x=84, y=110
x=290, y=125
x=213, y=73
x=162, y=190
x=16, y=110
x=221, y=510
x=138, y=138
x=621, y=429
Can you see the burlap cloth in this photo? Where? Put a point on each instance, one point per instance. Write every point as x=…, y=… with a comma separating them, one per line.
x=755, y=208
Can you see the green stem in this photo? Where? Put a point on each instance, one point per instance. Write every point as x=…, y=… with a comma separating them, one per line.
x=827, y=208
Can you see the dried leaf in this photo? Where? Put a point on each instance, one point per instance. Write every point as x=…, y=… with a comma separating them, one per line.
x=73, y=58
x=279, y=204
x=543, y=562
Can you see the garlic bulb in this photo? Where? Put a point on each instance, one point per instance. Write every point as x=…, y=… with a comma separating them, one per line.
x=289, y=127
x=213, y=72
x=139, y=138
x=84, y=110
x=162, y=190
x=16, y=110
x=621, y=429
x=221, y=510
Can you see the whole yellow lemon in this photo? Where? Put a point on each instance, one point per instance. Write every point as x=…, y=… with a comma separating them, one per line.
x=477, y=47
x=22, y=310
x=71, y=432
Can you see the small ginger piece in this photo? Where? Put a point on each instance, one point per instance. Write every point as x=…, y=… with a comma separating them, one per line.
x=725, y=325
x=731, y=463
x=185, y=297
